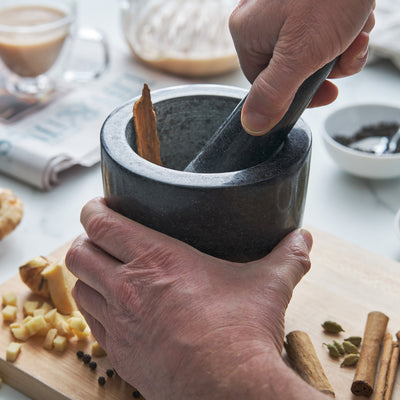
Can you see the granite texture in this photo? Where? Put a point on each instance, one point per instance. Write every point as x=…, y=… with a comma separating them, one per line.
x=239, y=215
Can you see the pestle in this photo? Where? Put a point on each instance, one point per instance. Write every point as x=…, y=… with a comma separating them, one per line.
x=231, y=148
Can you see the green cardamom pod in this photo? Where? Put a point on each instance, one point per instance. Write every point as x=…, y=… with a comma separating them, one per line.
x=339, y=346
x=356, y=340
x=333, y=351
x=332, y=327
x=350, y=360
x=349, y=348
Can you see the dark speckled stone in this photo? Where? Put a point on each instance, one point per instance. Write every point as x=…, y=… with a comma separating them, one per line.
x=239, y=215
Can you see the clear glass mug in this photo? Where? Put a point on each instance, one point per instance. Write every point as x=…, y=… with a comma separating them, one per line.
x=185, y=37
x=35, y=38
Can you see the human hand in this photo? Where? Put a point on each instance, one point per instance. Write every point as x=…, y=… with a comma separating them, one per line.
x=177, y=323
x=280, y=43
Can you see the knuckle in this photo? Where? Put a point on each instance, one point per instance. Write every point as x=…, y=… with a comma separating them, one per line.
x=267, y=90
x=236, y=18
x=99, y=225
x=125, y=293
x=74, y=253
x=301, y=257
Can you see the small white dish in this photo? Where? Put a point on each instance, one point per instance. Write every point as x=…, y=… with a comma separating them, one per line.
x=346, y=122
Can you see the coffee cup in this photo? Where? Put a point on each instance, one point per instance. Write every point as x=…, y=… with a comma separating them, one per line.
x=36, y=37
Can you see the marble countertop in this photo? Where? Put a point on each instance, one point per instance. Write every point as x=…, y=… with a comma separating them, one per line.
x=360, y=211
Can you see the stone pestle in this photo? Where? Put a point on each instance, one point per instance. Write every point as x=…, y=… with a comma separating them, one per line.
x=231, y=148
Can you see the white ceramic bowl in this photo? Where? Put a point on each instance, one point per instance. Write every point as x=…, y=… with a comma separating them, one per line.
x=346, y=122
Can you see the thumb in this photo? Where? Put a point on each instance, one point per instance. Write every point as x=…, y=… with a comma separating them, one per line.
x=271, y=94
x=287, y=264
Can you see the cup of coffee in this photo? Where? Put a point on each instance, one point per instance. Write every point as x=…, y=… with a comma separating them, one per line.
x=35, y=36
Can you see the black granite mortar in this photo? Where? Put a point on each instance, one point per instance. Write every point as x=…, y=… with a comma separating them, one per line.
x=238, y=216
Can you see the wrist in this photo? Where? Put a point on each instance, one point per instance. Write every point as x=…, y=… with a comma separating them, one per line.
x=256, y=371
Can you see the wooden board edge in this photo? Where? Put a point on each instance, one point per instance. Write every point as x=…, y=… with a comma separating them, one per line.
x=40, y=390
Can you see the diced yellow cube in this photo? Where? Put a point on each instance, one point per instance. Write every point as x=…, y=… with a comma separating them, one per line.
x=20, y=332
x=77, y=324
x=62, y=326
x=46, y=307
x=48, y=341
x=36, y=324
x=9, y=298
x=97, y=350
x=9, y=313
x=15, y=325
x=26, y=319
x=51, y=316
x=77, y=313
x=12, y=351
x=29, y=306
x=43, y=331
x=39, y=311
x=82, y=335
x=60, y=343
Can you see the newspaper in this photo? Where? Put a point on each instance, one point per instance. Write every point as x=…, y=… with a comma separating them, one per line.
x=66, y=131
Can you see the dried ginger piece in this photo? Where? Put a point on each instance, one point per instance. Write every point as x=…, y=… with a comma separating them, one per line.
x=144, y=117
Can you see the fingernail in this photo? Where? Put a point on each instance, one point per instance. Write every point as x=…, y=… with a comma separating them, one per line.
x=307, y=238
x=362, y=54
x=255, y=124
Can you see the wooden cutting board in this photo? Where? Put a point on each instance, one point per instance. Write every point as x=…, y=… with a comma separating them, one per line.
x=344, y=284
x=49, y=375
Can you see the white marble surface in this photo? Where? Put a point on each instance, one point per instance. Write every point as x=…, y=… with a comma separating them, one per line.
x=358, y=210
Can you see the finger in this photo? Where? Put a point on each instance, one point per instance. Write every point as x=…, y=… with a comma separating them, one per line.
x=290, y=261
x=370, y=23
x=326, y=94
x=353, y=59
x=90, y=264
x=251, y=62
x=271, y=94
x=96, y=328
x=121, y=237
x=91, y=301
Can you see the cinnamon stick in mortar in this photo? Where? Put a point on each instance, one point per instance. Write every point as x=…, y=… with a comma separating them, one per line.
x=391, y=375
x=364, y=378
x=304, y=360
x=144, y=117
x=384, y=367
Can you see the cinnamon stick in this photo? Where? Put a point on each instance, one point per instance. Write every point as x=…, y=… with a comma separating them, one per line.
x=144, y=117
x=391, y=375
x=304, y=360
x=364, y=377
x=384, y=367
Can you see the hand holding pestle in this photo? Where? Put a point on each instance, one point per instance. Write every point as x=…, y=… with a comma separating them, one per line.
x=231, y=148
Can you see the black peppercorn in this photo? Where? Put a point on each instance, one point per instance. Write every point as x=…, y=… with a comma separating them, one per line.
x=136, y=394
x=79, y=353
x=93, y=365
x=101, y=380
x=86, y=358
x=110, y=372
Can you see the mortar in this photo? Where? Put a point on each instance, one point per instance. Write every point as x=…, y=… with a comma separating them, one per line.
x=238, y=216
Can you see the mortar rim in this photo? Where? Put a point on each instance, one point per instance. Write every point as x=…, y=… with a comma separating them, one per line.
x=114, y=142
